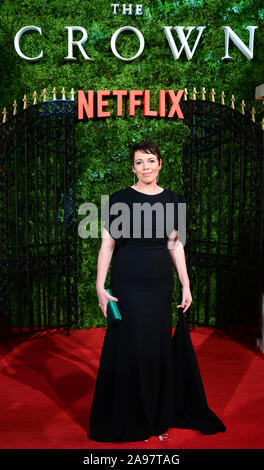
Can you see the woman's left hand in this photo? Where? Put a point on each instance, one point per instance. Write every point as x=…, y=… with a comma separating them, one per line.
x=186, y=298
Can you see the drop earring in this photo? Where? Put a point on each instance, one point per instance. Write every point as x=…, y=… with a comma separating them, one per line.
x=134, y=178
x=158, y=177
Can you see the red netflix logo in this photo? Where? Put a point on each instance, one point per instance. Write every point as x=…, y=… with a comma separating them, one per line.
x=88, y=104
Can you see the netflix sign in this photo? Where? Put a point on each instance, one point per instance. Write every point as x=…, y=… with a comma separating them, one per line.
x=91, y=107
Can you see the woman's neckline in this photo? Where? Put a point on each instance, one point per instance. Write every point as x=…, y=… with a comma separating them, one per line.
x=145, y=194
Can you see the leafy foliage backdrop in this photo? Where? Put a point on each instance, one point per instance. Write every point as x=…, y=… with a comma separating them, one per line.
x=103, y=145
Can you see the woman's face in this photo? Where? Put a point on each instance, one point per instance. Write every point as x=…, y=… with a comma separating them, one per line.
x=146, y=166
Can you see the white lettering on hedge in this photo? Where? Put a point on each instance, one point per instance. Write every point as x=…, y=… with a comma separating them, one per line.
x=230, y=34
x=79, y=43
x=17, y=42
x=183, y=39
x=141, y=42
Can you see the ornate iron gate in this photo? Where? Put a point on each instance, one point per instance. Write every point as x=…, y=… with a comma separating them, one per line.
x=38, y=288
x=223, y=167
x=223, y=171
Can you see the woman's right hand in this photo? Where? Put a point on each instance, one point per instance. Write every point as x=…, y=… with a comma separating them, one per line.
x=104, y=297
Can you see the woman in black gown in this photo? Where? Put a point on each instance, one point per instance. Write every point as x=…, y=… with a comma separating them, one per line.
x=147, y=380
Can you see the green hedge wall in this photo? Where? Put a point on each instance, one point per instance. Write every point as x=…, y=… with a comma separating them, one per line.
x=103, y=145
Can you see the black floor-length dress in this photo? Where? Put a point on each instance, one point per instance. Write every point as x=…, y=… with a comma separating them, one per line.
x=147, y=380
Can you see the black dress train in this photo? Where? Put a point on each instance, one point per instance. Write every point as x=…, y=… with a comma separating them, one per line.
x=147, y=380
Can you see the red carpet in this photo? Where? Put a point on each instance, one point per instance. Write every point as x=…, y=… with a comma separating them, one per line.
x=47, y=381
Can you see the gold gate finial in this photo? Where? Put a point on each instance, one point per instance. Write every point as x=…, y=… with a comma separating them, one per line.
x=223, y=97
x=63, y=94
x=45, y=94
x=203, y=93
x=232, y=102
x=4, y=112
x=262, y=124
x=35, y=95
x=213, y=95
x=185, y=94
x=243, y=107
x=25, y=102
x=194, y=92
x=15, y=108
x=253, y=112
x=54, y=91
x=72, y=94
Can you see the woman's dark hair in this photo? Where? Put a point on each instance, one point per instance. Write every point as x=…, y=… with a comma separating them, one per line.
x=146, y=146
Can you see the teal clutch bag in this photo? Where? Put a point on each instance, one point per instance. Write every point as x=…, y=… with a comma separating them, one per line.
x=112, y=311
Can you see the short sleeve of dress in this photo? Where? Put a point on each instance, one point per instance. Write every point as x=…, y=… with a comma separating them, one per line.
x=109, y=214
x=178, y=198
